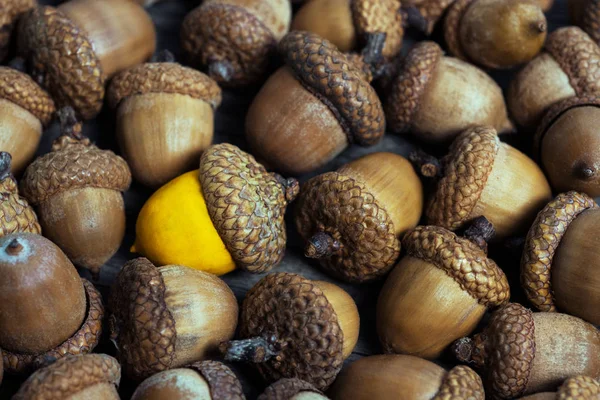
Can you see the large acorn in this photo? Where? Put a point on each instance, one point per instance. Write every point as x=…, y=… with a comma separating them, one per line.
x=168, y=317
x=523, y=352
x=309, y=111
x=76, y=190
x=292, y=389
x=576, y=388
x=293, y=327
x=74, y=48
x=25, y=109
x=165, y=118
x=436, y=97
x=352, y=219
x=235, y=39
x=46, y=310
x=12, y=10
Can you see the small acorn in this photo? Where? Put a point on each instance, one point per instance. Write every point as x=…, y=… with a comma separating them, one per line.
x=46, y=310
x=576, y=388
x=165, y=118
x=293, y=327
x=436, y=97
x=235, y=40
x=309, y=111
x=12, y=10
x=203, y=380
x=523, y=352
x=586, y=14
x=352, y=219
x=292, y=389
x=390, y=377
x=74, y=48
x=168, y=317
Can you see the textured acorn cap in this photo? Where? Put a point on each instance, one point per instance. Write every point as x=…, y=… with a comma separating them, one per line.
x=579, y=388
x=542, y=241
x=298, y=314
x=246, y=205
x=163, y=77
x=460, y=383
x=81, y=342
x=380, y=16
x=590, y=21
x=69, y=376
x=11, y=11
x=325, y=72
x=452, y=27
x=286, y=389
x=223, y=383
x=20, y=89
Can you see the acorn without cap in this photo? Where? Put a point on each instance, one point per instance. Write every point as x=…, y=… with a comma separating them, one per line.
x=12, y=10
x=293, y=327
x=351, y=219
x=48, y=311
x=165, y=118
x=309, y=111
x=292, y=389
x=578, y=387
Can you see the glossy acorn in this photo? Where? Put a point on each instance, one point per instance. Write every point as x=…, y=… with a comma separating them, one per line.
x=292, y=389
x=12, y=10
x=578, y=387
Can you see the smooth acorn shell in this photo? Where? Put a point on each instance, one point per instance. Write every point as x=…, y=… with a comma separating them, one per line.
x=20, y=134
x=330, y=19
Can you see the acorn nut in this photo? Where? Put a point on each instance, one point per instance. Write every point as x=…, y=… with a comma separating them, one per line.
x=292, y=389
x=47, y=310
x=351, y=219
x=309, y=111
x=576, y=388
x=12, y=10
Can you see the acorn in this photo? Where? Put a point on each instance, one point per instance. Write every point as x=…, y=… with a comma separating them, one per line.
x=566, y=68
x=586, y=14
x=235, y=40
x=578, y=387
x=483, y=176
x=47, y=311
x=437, y=97
x=206, y=380
x=292, y=389
x=165, y=118
x=293, y=327
x=387, y=377
x=12, y=10
x=523, y=352
x=168, y=317
x=25, y=109
x=351, y=219
x=75, y=48
x=309, y=111
x=90, y=377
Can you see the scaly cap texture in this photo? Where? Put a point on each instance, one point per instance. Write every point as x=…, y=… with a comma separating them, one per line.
x=20, y=89
x=452, y=27
x=461, y=383
x=10, y=11
x=579, y=388
x=223, y=383
x=590, y=22
x=374, y=16
x=286, y=389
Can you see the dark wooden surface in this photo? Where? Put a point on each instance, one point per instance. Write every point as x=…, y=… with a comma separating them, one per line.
x=229, y=127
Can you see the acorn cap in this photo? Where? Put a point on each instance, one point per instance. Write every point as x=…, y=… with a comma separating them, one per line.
x=461, y=382
x=542, y=241
x=467, y=167
x=11, y=11
x=452, y=27
x=590, y=22
x=298, y=314
x=579, y=388
x=246, y=205
x=380, y=16
x=163, y=77
x=325, y=72
x=286, y=389
x=81, y=342
x=410, y=84
x=69, y=376
x=20, y=89
x=346, y=211
x=64, y=58
x=222, y=382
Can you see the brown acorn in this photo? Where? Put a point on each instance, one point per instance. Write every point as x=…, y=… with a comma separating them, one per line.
x=293, y=327
x=165, y=118
x=205, y=380
x=351, y=219
x=235, y=40
x=25, y=109
x=575, y=388
x=586, y=14
x=292, y=389
x=523, y=352
x=569, y=66
x=47, y=310
x=89, y=377
x=309, y=111
x=391, y=377
x=74, y=48
x=12, y=10
x=483, y=176
x=436, y=97
x=168, y=317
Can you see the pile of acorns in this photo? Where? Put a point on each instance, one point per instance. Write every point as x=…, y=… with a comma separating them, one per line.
x=333, y=80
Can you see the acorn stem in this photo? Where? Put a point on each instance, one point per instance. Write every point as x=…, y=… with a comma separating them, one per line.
x=413, y=18
x=427, y=165
x=372, y=53
x=5, y=161
x=321, y=245
x=69, y=123
x=256, y=350
x=163, y=56
x=221, y=71
x=469, y=351
x=291, y=186
x=480, y=232
x=14, y=247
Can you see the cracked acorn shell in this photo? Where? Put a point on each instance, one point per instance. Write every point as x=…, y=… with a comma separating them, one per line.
x=437, y=97
x=310, y=110
x=48, y=311
x=522, y=352
x=483, y=176
x=91, y=40
x=576, y=388
x=391, y=377
x=10, y=12
x=168, y=317
x=206, y=380
x=235, y=40
x=25, y=109
x=351, y=219
x=85, y=377
x=165, y=118
x=292, y=389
